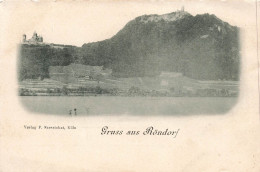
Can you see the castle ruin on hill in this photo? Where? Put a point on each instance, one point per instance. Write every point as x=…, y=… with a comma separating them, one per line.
x=34, y=40
x=38, y=40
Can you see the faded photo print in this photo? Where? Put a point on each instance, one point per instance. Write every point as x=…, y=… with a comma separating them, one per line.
x=172, y=61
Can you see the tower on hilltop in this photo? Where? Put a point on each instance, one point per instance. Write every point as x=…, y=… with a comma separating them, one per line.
x=24, y=38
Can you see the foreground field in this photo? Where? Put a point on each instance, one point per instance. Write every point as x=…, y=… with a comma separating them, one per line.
x=102, y=105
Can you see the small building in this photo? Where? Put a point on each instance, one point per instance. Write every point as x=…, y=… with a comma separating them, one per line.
x=172, y=81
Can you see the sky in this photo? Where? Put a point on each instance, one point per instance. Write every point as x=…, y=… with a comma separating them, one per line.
x=76, y=23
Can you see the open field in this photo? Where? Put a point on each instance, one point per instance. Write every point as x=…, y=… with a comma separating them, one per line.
x=77, y=79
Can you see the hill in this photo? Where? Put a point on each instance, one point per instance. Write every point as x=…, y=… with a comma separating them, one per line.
x=35, y=59
x=200, y=47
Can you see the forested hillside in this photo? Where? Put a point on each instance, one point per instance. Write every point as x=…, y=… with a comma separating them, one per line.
x=201, y=47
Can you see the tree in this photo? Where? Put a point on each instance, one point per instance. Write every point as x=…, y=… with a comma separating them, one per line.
x=65, y=90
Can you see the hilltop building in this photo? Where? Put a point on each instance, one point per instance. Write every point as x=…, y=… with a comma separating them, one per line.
x=182, y=9
x=34, y=40
x=38, y=40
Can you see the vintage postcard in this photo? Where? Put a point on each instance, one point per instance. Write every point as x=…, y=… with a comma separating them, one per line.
x=129, y=86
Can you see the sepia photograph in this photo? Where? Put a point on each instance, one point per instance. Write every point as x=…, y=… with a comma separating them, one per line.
x=175, y=63
x=129, y=86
